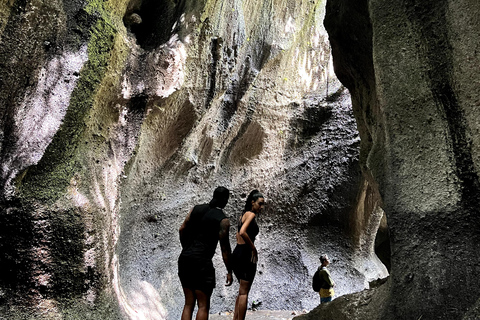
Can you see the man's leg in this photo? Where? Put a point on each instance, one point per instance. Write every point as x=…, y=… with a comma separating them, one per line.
x=203, y=300
x=327, y=299
x=190, y=300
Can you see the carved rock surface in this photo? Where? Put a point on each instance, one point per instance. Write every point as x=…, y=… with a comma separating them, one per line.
x=117, y=117
x=412, y=70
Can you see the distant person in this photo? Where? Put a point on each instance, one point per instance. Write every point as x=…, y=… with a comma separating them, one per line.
x=322, y=281
x=204, y=226
x=245, y=256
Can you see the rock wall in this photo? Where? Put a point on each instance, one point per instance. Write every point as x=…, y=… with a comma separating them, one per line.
x=412, y=70
x=117, y=117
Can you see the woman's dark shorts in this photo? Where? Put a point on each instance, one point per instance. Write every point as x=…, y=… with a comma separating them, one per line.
x=243, y=267
x=196, y=274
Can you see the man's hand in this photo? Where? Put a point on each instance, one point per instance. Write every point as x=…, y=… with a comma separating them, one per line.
x=254, y=258
x=229, y=279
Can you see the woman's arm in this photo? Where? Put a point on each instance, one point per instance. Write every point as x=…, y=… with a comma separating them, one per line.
x=248, y=216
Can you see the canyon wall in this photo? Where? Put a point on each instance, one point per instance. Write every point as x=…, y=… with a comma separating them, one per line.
x=118, y=116
x=412, y=70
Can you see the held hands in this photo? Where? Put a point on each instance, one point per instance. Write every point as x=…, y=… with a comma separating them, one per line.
x=229, y=279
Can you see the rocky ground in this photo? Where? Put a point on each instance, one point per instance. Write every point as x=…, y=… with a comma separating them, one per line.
x=261, y=315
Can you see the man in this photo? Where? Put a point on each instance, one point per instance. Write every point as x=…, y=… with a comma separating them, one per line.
x=203, y=228
x=326, y=282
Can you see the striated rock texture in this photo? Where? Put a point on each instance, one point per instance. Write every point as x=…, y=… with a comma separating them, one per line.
x=412, y=70
x=118, y=116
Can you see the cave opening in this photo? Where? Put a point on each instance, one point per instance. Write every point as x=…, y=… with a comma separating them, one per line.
x=152, y=21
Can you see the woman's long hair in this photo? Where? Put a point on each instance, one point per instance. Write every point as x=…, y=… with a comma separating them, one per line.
x=253, y=196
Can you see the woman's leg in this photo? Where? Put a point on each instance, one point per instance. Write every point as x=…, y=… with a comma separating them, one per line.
x=235, y=312
x=203, y=300
x=190, y=300
x=242, y=300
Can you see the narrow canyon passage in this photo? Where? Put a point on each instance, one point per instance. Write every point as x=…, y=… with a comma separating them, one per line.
x=358, y=121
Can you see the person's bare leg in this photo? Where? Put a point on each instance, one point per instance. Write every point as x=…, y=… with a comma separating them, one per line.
x=242, y=300
x=189, y=304
x=235, y=313
x=203, y=300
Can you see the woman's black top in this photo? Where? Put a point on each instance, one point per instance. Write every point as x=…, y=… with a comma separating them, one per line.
x=252, y=229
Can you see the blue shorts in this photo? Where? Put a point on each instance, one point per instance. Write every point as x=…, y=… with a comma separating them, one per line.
x=327, y=299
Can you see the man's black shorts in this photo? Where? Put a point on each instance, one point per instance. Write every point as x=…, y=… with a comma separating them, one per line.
x=196, y=274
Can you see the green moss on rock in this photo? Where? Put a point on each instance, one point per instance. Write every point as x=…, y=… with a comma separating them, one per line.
x=48, y=180
x=5, y=7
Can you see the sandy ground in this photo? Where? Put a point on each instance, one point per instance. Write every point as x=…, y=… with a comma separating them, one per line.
x=260, y=315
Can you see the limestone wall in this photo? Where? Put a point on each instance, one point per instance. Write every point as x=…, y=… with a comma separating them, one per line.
x=412, y=70
x=117, y=117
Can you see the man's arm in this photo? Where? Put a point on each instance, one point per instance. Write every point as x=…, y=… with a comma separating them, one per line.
x=328, y=278
x=225, y=247
x=183, y=230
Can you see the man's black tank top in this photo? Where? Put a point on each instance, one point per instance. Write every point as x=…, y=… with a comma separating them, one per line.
x=252, y=229
x=204, y=228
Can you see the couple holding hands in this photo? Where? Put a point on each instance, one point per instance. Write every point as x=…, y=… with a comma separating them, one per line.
x=204, y=226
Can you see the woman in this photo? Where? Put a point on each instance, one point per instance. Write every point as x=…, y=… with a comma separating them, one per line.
x=244, y=257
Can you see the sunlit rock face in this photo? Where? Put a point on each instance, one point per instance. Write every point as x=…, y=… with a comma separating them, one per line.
x=117, y=117
x=412, y=70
